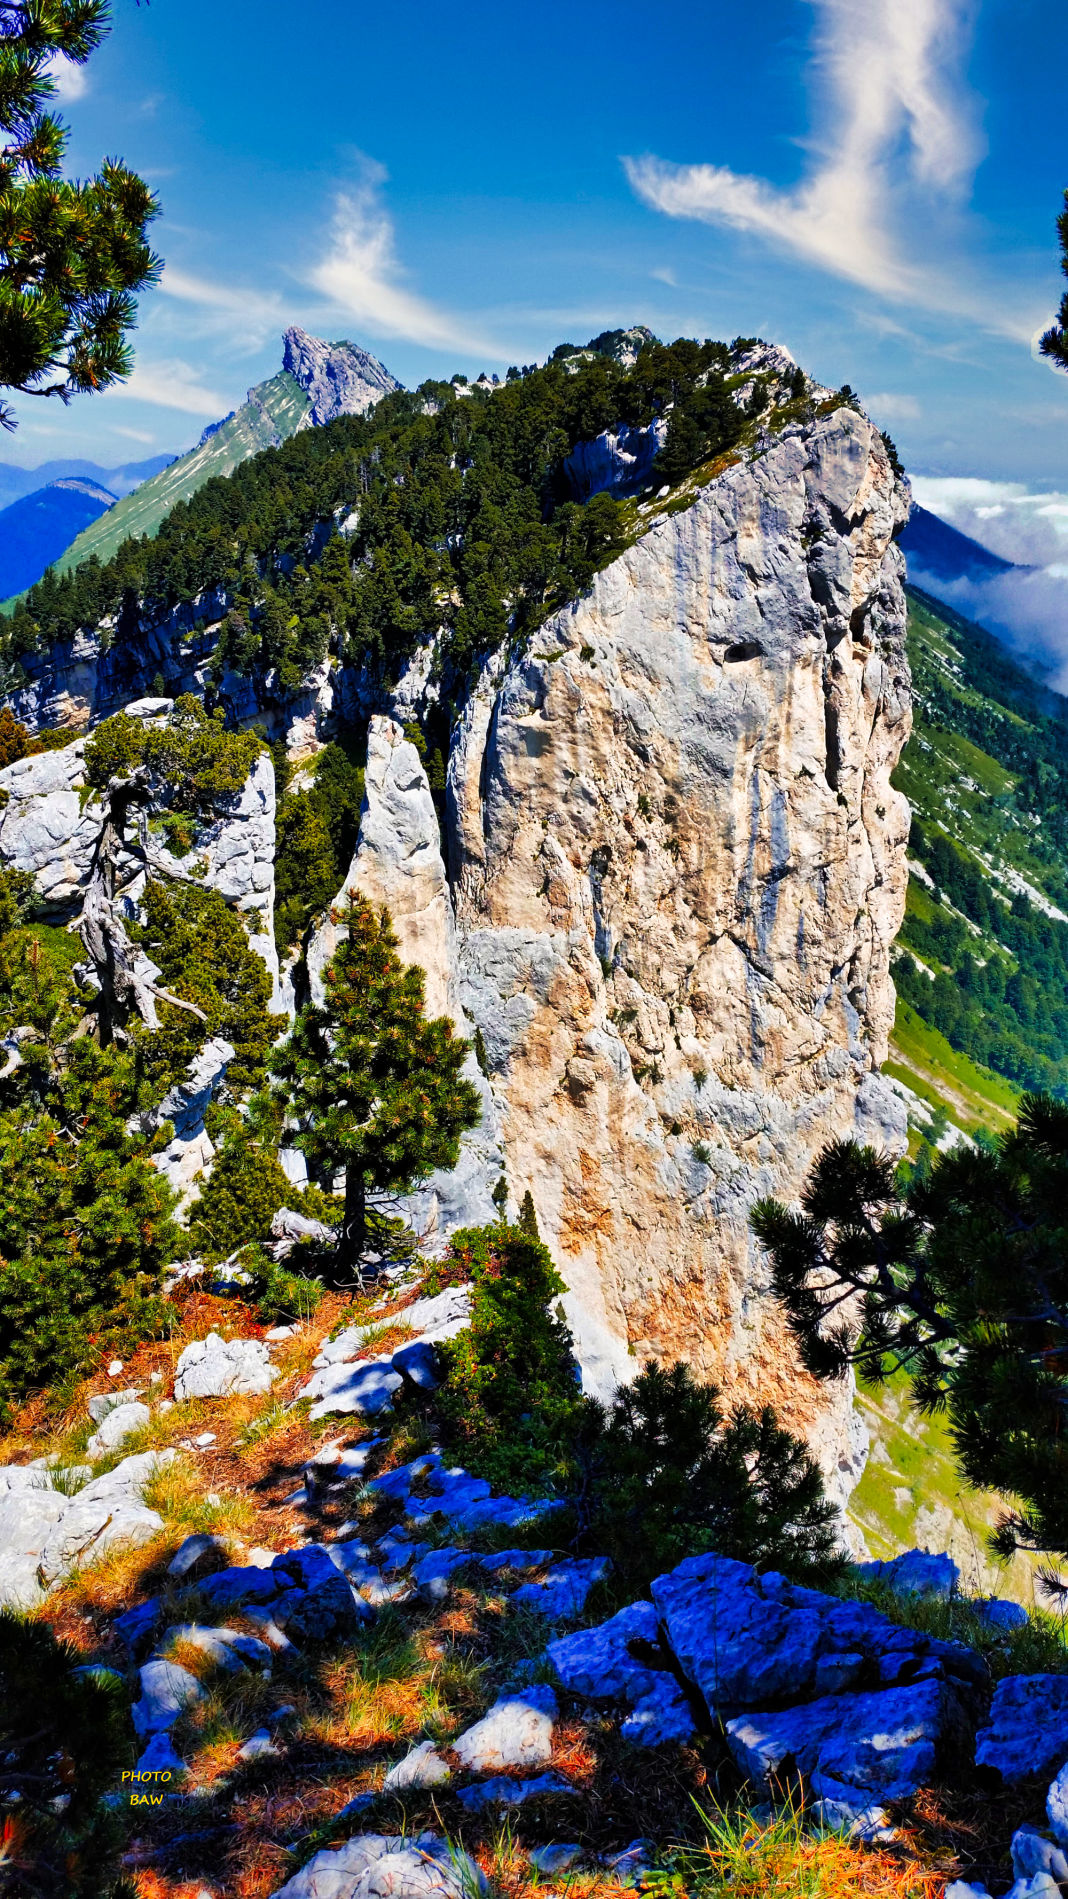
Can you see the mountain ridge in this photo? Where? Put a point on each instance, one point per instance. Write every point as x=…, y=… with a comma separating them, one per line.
x=318, y=382
x=35, y=529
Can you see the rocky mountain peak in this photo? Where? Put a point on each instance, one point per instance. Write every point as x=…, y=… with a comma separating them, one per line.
x=337, y=378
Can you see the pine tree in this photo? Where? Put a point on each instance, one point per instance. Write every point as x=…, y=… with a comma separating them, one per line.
x=1055, y=342
x=664, y=1475
x=72, y=254
x=528, y=1219
x=374, y=1086
x=86, y=1221
x=963, y=1281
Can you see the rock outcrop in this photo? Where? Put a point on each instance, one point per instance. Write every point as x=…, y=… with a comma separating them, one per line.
x=673, y=871
x=676, y=868
x=678, y=865
x=45, y=828
x=337, y=378
x=50, y=823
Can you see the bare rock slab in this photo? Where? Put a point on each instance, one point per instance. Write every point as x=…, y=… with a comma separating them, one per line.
x=167, y=1690
x=601, y=1663
x=517, y=1732
x=423, y=1767
x=915, y=1573
x=44, y=1533
x=1057, y=1806
x=561, y=1595
x=502, y=1791
x=753, y=1641
x=105, y=1401
x=886, y=1745
x=363, y=1389
x=118, y=1423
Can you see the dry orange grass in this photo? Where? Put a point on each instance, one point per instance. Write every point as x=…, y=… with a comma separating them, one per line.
x=743, y=1858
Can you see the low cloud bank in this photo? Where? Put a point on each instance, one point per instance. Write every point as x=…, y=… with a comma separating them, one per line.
x=1027, y=607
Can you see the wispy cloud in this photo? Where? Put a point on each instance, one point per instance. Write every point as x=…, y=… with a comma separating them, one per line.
x=897, y=138
x=246, y=317
x=360, y=276
x=891, y=406
x=169, y=385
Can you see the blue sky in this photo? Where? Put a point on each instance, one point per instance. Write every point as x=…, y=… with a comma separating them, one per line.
x=871, y=182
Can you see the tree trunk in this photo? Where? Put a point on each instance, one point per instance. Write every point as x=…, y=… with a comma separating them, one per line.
x=125, y=988
x=354, y=1222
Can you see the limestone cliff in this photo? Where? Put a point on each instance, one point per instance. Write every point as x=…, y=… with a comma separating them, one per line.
x=678, y=867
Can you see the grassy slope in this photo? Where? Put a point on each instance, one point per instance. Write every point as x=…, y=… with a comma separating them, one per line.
x=911, y=1493
x=911, y=1496
x=951, y=781
x=272, y=413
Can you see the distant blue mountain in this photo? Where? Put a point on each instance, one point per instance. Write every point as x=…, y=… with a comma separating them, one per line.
x=941, y=552
x=39, y=527
x=16, y=482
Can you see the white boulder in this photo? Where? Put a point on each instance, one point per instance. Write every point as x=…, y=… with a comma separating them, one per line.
x=117, y=1424
x=224, y=1368
x=517, y=1732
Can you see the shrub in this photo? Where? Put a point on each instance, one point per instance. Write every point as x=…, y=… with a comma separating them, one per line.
x=202, y=948
x=193, y=755
x=664, y=1475
x=317, y=833
x=239, y=1199
x=64, y=1738
x=511, y=1401
x=244, y=1191
x=14, y=738
x=279, y=1293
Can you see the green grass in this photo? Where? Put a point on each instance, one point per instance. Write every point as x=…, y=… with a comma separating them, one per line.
x=974, y=1097
x=743, y=1856
x=277, y=407
x=913, y=1496
x=1038, y=1647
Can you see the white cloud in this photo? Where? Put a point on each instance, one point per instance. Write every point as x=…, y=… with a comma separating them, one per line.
x=898, y=133
x=134, y=435
x=361, y=277
x=1008, y=517
x=72, y=82
x=888, y=406
x=168, y=385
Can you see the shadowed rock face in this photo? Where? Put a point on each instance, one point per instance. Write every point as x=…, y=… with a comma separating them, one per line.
x=678, y=867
